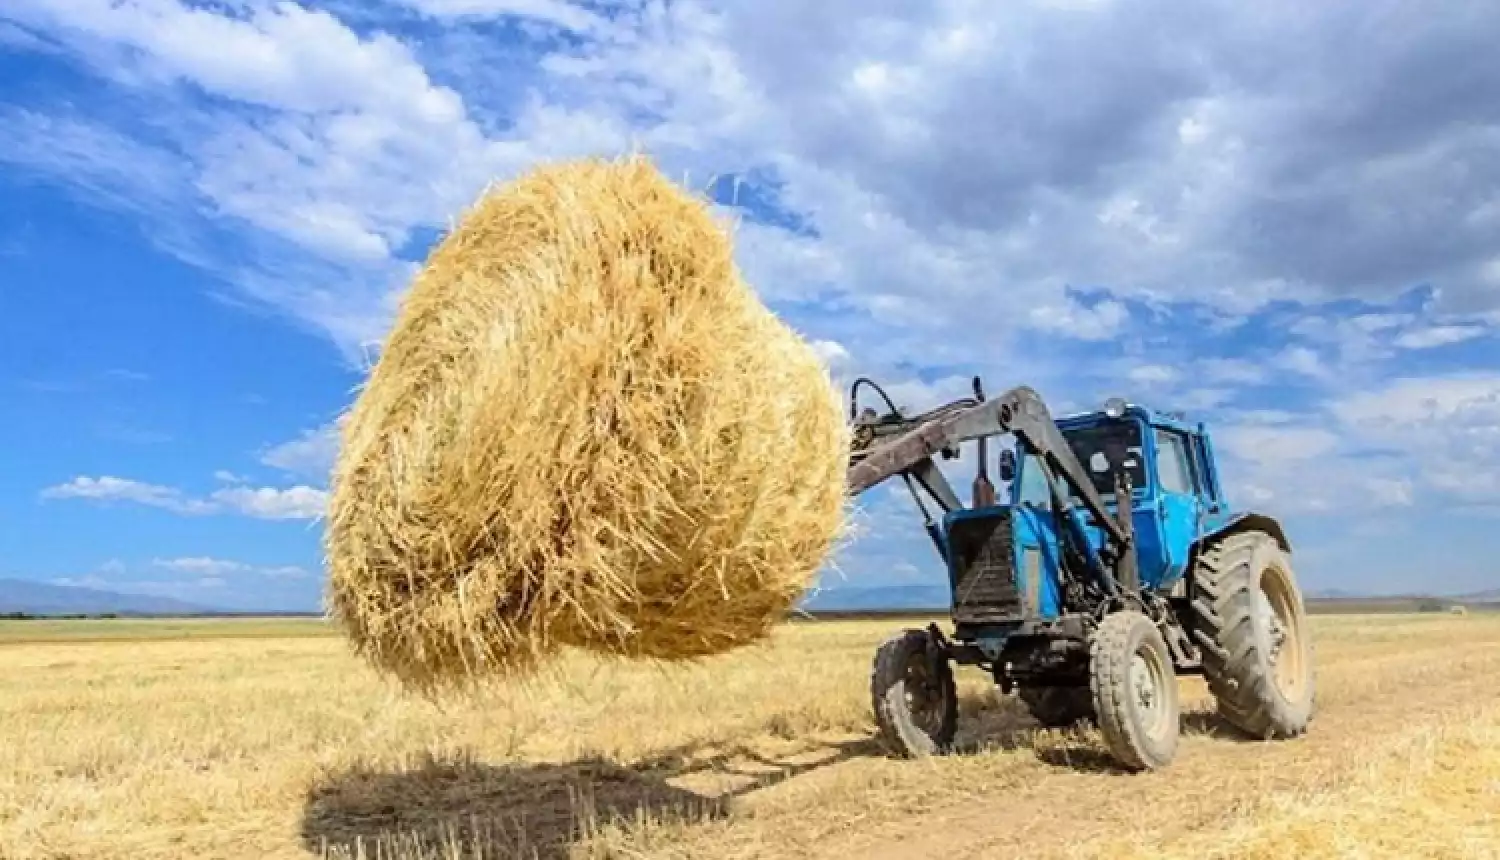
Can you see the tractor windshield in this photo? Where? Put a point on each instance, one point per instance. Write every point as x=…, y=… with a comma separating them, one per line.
x=1100, y=446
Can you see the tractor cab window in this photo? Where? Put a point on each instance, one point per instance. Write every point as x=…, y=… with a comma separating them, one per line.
x=1100, y=448
x=1173, y=469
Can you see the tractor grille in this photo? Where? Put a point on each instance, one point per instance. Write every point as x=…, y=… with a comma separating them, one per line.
x=984, y=571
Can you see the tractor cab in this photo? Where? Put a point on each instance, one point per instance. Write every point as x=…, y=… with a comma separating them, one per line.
x=1176, y=496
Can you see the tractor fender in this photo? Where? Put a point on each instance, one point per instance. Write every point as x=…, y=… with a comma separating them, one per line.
x=1244, y=521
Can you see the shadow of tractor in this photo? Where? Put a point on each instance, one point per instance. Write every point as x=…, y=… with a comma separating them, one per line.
x=992, y=722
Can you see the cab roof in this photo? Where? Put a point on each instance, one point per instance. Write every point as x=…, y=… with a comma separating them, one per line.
x=1153, y=417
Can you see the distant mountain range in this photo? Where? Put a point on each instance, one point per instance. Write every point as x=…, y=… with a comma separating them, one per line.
x=891, y=597
x=925, y=597
x=1487, y=596
x=40, y=598
x=37, y=598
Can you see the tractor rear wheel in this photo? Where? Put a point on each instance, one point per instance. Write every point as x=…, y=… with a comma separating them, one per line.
x=1134, y=686
x=1058, y=707
x=915, y=699
x=1251, y=626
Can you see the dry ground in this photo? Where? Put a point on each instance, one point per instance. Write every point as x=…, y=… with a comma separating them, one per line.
x=137, y=741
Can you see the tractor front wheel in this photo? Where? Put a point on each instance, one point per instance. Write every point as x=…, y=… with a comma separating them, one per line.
x=915, y=699
x=1134, y=687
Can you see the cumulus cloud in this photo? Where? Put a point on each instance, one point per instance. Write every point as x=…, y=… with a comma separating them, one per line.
x=109, y=488
x=310, y=455
x=269, y=503
x=201, y=564
x=558, y=13
x=1432, y=438
x=219, y=568
x=298, y=502
x=1276, y=444
x=1439, y=335
x=1093, y=151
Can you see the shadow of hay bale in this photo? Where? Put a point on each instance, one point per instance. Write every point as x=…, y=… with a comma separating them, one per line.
x=459, y=807
x=447, y=808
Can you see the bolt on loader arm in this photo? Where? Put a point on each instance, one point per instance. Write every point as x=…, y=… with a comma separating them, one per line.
x=1021, y=412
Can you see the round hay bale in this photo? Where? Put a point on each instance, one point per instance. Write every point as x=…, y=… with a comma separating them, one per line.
x=584, y=429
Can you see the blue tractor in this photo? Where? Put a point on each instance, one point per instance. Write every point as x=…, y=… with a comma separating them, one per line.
x=1084, y=605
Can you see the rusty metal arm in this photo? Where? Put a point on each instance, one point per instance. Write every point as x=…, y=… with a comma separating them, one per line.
x=1019, y=411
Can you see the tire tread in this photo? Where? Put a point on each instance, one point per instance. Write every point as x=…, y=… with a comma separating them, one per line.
x=1224, y=630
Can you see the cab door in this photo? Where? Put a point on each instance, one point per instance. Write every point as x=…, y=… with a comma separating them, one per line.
x=1178, y=506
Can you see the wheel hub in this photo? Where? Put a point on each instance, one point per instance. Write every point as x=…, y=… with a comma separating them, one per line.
x=1276, y=631
x=1278, y=619
x=923, y=698
x=1143, y=681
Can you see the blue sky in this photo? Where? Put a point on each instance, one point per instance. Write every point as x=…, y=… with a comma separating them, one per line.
x=207, y=212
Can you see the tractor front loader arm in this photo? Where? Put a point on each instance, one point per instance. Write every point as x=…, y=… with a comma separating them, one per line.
x=1019, y=411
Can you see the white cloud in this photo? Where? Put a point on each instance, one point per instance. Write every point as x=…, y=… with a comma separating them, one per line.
x=311, y=455
x=1272, y=444
x=1387, y=492
x=1148, y=374
x=1070, y=318
x=109, y=488
x=1407, y=405
x=22, y=39
x=355, y=143
x=269, y=503
x=350, y=147
x=95, y=582
x=570, y=16
x=1430, y=439
x=832, y=352
x=1233, y=371
x=1380, y=322
x=219, y=568
x=108, y=167
x=280, y=56
x=1439, y=335
x=201, y=565
x=171, y=587
x=299, y=502
x=1203, y=398
x=1301, y=360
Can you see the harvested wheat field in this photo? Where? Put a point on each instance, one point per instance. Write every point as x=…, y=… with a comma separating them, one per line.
x=257, y=740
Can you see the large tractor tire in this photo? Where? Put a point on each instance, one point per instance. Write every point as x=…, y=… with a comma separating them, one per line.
x=1058, y=707
x=1134, y=687
x=915, y=699
x=1251, y=626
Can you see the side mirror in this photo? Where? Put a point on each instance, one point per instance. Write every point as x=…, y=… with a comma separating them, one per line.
x=1007, y=465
